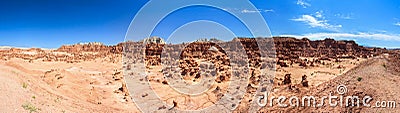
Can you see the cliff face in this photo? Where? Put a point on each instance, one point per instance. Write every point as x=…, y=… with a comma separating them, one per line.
x=67, y=53
x=91, y=47
x=288, y=48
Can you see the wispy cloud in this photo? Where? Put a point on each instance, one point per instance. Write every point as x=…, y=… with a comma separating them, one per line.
x=374, y=36
x=303, y=3
x=269, y=10
x=318, y=14
x=317, y=22
x=248, y=10
x=397, y=24
x=256, y=11
x=345, y=16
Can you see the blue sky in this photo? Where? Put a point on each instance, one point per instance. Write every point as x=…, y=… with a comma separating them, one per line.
x=52, y=23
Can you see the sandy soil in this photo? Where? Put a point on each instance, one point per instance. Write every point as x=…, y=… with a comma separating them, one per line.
x=318, y=73
x=97, y=86
x=90, y=86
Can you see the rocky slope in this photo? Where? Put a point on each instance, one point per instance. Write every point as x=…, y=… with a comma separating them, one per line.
x=291, y=49
x=371, y=78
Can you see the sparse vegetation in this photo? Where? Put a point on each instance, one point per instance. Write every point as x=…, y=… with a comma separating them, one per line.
x=57, y=100
x=24, y=85
x=28, y=106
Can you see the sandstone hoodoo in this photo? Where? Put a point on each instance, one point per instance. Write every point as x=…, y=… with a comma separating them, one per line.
x=287, y=79
x=153, y=40
x=304, y=81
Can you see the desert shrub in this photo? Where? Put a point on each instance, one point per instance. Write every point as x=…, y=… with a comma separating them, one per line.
x=24, y=85
x=28, y=106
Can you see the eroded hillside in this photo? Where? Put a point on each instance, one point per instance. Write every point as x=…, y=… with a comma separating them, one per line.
x=89, y=77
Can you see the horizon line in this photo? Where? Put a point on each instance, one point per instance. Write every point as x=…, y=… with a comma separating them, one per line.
x=2, y=47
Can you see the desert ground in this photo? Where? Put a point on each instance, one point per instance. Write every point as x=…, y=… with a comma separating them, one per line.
x=91, y=77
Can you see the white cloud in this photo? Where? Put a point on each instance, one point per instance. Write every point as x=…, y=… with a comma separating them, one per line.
x=249, y=11
x=314, y=22
x=345, y=16
x=269, y=10
x=318, y=14
x=256, y=11
x=236, y=10
x=303, y=3
x=374, y=36
x=397, y=24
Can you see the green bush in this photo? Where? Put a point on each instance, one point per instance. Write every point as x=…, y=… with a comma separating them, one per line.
x=24, y=85
x=29, y=107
